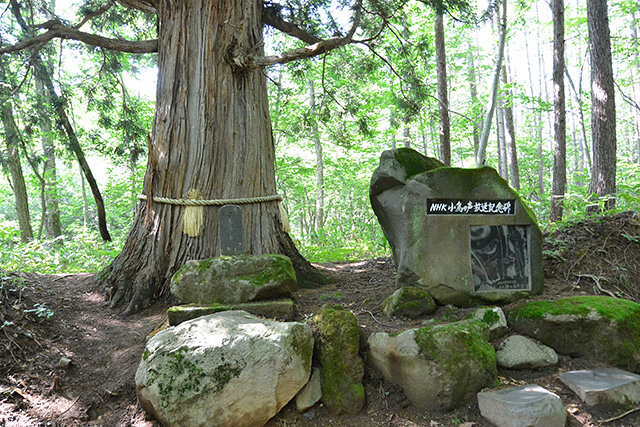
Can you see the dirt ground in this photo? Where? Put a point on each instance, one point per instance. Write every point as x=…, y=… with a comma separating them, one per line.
x=67, y=360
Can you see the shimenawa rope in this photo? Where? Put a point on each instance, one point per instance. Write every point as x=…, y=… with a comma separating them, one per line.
x=215, y=202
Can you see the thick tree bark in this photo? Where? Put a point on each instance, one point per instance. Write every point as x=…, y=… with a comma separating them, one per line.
x=560, y=123
x=603, y=109
x=443, y=96
x=211, y=133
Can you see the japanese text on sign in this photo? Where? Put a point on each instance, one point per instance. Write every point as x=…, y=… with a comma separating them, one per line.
x=470, y=207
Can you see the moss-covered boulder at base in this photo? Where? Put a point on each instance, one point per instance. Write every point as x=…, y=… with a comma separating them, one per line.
x=410, y=302
x=227, y=369
x=234, y=279
x=341, y=367
x=438, y=367
x=433, y=251
x=596, y=327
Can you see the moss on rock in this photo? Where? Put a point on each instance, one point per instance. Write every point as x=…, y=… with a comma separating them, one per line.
x=598, y=327
x=465, y=359
x=341, y=367
x=409, y=301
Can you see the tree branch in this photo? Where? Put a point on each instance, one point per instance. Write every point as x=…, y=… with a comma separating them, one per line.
x=270, y=16
x=318, y=48
x=144, y=5
x=56, y=29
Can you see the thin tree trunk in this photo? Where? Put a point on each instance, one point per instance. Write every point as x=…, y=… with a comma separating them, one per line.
x=603, y=109
x=51, y=213
x=43, y=74
x=486, y=129
x=473, y=93
x=510, y=127
x=537, y=121
x=560, y=122
x=315, y=136
x=443, y=96
x=503, y=170
x=12, y=145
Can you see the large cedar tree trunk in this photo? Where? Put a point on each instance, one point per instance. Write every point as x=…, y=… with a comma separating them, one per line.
x=211, y=133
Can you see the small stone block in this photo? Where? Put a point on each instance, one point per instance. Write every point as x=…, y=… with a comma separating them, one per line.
x=275, y=309
x=604, y=387
x=529, y=405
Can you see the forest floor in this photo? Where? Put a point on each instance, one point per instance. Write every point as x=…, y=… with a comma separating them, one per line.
x=49, y=320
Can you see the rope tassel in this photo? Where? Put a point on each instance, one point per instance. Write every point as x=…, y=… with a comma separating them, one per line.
x=193, y=215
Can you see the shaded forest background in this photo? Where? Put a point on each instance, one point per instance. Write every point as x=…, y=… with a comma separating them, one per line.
x=332, y=117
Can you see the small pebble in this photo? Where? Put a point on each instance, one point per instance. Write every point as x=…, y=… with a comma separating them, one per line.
x=309, y=415
x=64, y=362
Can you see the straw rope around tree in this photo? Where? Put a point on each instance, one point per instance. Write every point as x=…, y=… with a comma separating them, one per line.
x=194, y=204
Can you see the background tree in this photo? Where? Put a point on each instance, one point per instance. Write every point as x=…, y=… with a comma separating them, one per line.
x=603, y=107
x=560, y=123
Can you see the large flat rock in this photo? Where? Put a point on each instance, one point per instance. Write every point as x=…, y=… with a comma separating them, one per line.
x=529, y=405
x=604, y=387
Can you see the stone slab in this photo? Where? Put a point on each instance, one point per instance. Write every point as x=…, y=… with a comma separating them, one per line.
x=276, y=309
x=604, y=387
x=529, y=405
x=230, y=218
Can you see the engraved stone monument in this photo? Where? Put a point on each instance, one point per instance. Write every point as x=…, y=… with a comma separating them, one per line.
x=230, y=230
x=462, y=234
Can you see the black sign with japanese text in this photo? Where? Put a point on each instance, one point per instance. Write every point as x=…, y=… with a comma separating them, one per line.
x=470, y=207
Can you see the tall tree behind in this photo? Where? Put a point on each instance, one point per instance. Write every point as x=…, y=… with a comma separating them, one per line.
x=603, y=107
x=560, y=122
x=510, y=128
x=443, y=98
x=488, y=120
x=12, y=145
x=315, y=137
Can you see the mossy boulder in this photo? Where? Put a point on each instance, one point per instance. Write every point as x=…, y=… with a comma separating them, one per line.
x=409, y=301
x=234, y=279
x=338, y=353
x=225, y=369
x=439, y=367
x=596, y=327
x=281, y=309
x=433, y=251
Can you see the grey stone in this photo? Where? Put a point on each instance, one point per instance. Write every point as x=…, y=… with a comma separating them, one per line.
x=64, y=362
x=341, y=367
x=282, y=309
x=225, y=369
x=311, y=393
x=438, y=367
x=230, y=230
x=518, y=352
x=234, y=279
x=594, y=327
x=604, y=387
x=448, y=254
x=525, y=406
x=409, y=301
x=495, y=319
